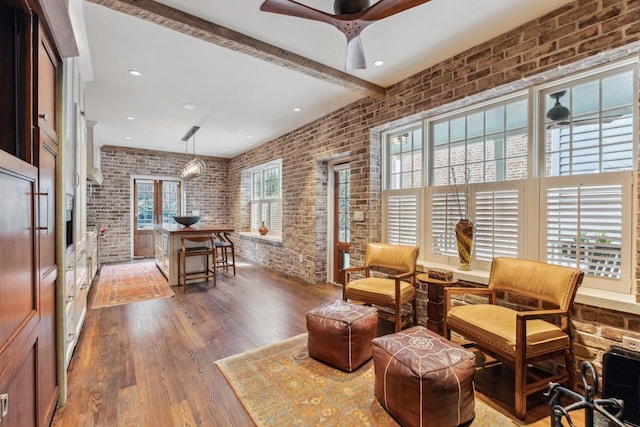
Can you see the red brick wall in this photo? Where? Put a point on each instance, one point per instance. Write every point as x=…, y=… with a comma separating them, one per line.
x=529, y=54
x=109, y=204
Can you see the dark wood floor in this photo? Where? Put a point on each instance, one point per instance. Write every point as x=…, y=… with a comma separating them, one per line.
x=152, y=363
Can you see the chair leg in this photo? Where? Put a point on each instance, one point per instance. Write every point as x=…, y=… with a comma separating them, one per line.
x=398, y=317
x=214, y=266
x=184, y=272
x=520, y=404
x=233, y=259
x=570, y=367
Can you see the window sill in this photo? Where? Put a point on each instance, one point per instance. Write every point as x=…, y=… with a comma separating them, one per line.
x=475, y=276
x=258, y=236
x=617, y=301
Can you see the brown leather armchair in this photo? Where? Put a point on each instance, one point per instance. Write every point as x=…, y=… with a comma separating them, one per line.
x=393, y=292
x=519, y=338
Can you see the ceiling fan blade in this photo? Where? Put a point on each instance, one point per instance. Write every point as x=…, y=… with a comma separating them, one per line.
x=355, y=55
x=299, y=10
x=386, y=8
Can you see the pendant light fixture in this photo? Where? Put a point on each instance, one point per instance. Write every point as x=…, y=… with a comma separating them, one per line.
x=558, y=112
x=194, y=167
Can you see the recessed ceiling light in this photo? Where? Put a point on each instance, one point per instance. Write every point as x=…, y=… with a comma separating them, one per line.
x=378, y=62
x=190, y=107
x=296, y=109
x=127, y=138
x=130, y=118
x=249, y=136
x=135, y=73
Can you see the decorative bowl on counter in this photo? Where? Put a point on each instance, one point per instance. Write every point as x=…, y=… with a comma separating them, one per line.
x=186, y=220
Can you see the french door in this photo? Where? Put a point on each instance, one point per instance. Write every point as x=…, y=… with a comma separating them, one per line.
x=154, y=202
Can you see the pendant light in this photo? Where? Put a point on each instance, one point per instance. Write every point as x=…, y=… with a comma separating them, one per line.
x=194, y=167
x=558, y=112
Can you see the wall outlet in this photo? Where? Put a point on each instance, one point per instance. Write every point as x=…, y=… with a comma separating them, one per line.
x=301, y=258
x=631, y=343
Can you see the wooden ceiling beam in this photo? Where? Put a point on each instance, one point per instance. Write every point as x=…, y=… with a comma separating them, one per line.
x=185, y=23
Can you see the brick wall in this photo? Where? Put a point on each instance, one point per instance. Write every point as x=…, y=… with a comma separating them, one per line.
x=110, y=204
x=540, y=50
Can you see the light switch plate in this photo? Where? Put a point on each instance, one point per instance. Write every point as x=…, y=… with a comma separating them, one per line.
x=358, y=216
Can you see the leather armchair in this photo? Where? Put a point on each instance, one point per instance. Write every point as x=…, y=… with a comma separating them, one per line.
x=392, y=292
x=519, y=338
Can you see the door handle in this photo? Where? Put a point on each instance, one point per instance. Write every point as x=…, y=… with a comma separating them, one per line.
x=46, y=222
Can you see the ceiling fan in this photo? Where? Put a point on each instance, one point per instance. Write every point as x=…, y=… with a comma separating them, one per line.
x=351, y=18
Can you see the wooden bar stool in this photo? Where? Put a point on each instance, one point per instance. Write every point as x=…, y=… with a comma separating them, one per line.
x=207, y=250
x=227, y=256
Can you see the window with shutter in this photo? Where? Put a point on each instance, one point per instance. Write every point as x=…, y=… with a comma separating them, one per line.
x=401, y=208
x=266, y=198
x=444, y=214
x=585, y=225
x=498, y=225
x=546, y=173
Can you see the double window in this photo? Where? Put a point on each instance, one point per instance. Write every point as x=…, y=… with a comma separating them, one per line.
x=544, y=174
x=266, y=197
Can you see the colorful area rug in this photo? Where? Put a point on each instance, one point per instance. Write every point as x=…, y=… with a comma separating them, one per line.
x=126, y=283
x=280, y=385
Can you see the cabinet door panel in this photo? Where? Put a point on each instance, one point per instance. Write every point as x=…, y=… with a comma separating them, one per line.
x=47, y=380
x=17, y=279
x=47, y=111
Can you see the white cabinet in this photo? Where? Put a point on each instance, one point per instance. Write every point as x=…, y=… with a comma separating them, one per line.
x=76, y=272
x=94, y=174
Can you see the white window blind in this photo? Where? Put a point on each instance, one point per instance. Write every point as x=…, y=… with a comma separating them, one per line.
x=585, y=225
x=402, y=217
x=267, y=211
x=445, y=213
x=497, y=223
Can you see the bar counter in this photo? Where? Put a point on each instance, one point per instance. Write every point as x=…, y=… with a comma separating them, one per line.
x=167, y=245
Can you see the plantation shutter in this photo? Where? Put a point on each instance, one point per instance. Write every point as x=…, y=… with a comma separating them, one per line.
x=497, y=222
x=585, y=228
x=255, y=215
x=274, y=215
x=402, y=217
x=444, y=216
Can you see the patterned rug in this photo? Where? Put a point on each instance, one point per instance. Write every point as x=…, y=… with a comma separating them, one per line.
x=280, y=384
x=127, y=283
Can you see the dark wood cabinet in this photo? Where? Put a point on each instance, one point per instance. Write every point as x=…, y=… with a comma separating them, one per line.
x=47, y=275
x=47, y=106
x=29, y=209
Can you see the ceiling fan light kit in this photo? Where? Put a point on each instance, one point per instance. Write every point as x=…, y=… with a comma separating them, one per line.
x=351, y=18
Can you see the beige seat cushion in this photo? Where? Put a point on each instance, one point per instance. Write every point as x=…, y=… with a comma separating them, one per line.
x=379, y=291
x=496, y=325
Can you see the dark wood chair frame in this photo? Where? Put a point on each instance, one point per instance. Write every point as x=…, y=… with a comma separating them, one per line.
x=209, y=251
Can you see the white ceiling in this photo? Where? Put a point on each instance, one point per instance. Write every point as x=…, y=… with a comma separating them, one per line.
x=243, y=101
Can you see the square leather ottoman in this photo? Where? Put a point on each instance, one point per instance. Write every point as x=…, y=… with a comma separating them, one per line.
x=423, y=379
x=340, y=334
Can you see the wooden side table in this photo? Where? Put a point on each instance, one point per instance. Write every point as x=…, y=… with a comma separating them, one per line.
x=435, y=301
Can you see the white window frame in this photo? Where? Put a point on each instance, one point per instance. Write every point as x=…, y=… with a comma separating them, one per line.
x=532, y=220
x=261, y=207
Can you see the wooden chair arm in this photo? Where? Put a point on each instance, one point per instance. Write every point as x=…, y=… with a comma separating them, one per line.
x=348, y=271
x=537, y=314
x=403, y=275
